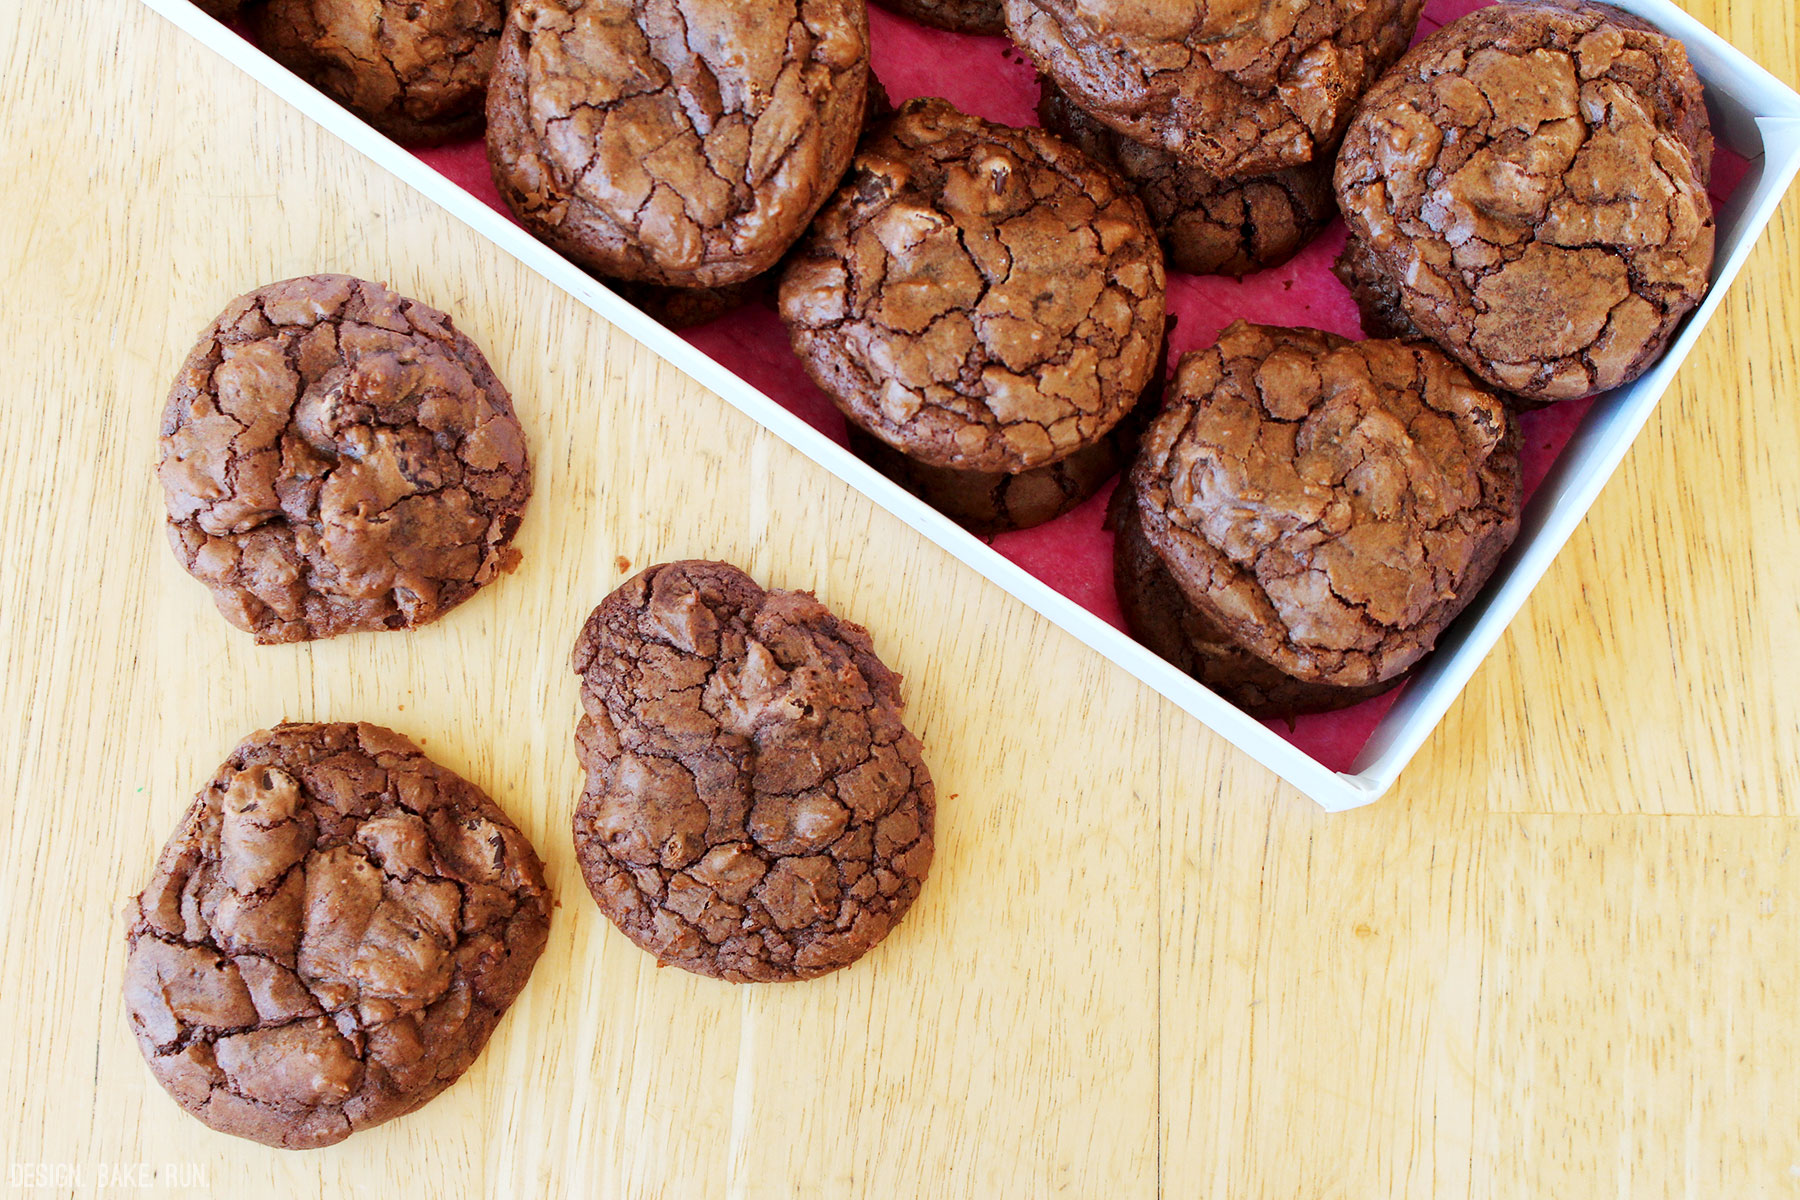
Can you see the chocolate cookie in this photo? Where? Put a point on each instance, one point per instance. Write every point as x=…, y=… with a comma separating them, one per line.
x=992, y=502
x=1532, y=181
x=686, y=146
x=1234, y=89
x=958, y=16
x=979, y=297
x=687, y=307
x=336, y=457
x=330, y=936
x=1209, y=225
x=416, y=69
x=1162, y=619
x=754, y=810
x=1377, y=296
x=1331, y=505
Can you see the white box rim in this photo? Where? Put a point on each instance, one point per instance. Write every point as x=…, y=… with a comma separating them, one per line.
x=1755, y=99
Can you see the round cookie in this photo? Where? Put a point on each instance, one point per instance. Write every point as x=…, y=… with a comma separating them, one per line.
x=336, y=457
x=416, y=69
x=685, y=147
x=330, y=936
x=1160, y=617
x=1209, y=225
x=1233, y=89
x=958, y=16
x=1331, y=505
x=1532, y=179
x=754, y=809
x=979, y=297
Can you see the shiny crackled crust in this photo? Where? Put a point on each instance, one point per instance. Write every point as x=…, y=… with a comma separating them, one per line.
x=979, y=297
x=754, y=809
x=416, y=69
x=336, y=457
x=1332, y=505
x=958, y=16
x=1209, y=225
x=685, y=146
x=1532, y=181
x=1232, y=88
x=1159, y=616
x=330, y=935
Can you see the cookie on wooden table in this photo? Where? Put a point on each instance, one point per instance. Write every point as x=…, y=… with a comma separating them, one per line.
x=1529, y=183
x=1330, y=505
x=415, y=69
x=330, y=936
x=1234, y=89
x=755, y=810
x=684, y=146
x=336, y=457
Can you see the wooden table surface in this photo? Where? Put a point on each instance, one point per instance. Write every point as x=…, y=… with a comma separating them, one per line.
x=1560, y=959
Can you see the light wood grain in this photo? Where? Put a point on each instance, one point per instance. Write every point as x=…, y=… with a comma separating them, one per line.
x=1559, y=960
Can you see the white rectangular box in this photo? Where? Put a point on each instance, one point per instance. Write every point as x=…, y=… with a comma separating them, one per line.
x=1753, y=114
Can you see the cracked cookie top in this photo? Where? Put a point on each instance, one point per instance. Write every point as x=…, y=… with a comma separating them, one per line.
x=1532, y=178
x=1160, y=617
x=979, y=297
x=682, y=142
x=336, y=457
x=754, y=809
x=417, y=69
x=1332, y=505
x=1209, y=225
x=330, y=935
x=1234, y=87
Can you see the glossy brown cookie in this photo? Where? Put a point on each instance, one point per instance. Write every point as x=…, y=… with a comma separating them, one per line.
x=1531, y=182
x=336, y=457
x=416, y=69
x=1231, y=88
x=979, y=297
x=958, y=16
x=330, y=936
x=1331, y=505
x=755, y=810
x=1209, y=225
x=685, y=145
x=1160, y=617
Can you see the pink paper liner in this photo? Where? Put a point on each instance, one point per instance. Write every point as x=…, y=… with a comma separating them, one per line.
x=989, y=77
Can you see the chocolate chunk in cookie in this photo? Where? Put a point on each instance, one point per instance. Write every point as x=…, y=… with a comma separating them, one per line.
x=330, y=936
x=755, y=810
x=336, y=457
x=958, y=16
x=1160, y=617
x=686, y=146
x=416, y=69
x=979, y=297
x=1209, y=225
x=1330, y=505
x=1234, y=89
x=1531, y=183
